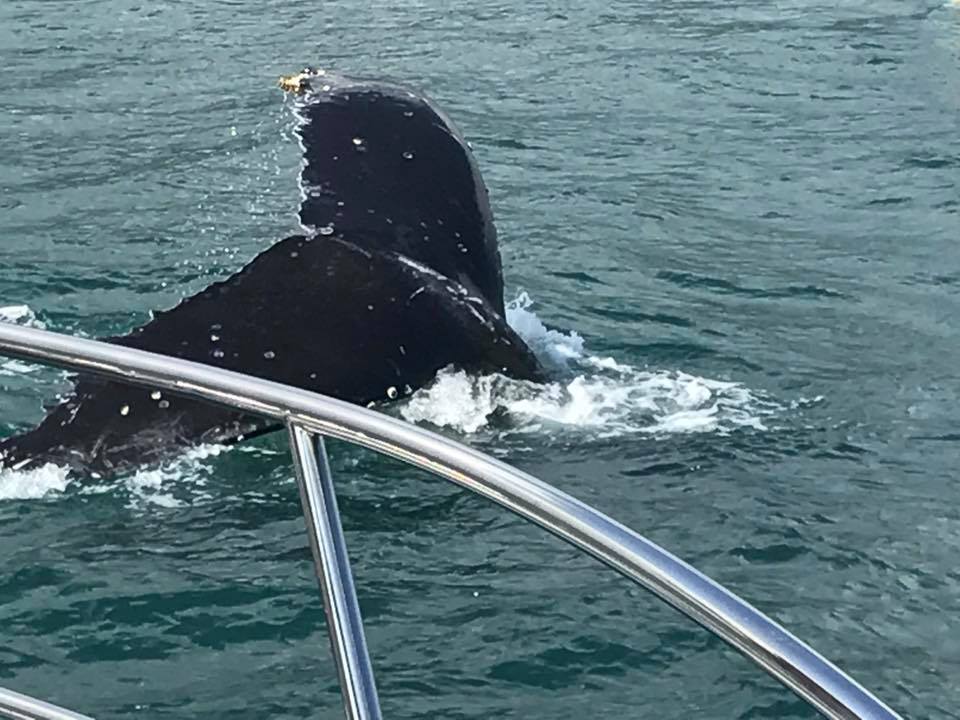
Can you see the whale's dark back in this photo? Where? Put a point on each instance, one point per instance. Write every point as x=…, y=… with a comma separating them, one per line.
x=386, y=169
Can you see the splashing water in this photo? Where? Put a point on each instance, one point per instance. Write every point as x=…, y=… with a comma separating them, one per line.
x=33, y=484
x=172, y=484
x=593, y=395
x=603, y=397
x=11, y=368
x=20, y=315
x=553, y=348
x=165, y=485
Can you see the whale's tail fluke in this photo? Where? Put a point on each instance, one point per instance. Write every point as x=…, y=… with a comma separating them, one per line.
x=397, y=276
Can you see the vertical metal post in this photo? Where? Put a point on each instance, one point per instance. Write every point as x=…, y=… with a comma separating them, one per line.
x=333, y=571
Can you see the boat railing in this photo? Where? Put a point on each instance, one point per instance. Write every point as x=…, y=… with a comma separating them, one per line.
x=310, y=417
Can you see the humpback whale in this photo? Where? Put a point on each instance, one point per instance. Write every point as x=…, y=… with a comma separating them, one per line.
x=395, y=276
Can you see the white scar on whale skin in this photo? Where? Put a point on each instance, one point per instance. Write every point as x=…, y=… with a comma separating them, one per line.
x=458, y=291
x=422, y=268
x=478, y=316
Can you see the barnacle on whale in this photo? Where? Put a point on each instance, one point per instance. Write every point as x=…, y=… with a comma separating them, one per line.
x=298, y=83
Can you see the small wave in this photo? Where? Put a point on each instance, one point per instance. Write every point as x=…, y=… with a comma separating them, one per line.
x=725, y=287
x=594, y=394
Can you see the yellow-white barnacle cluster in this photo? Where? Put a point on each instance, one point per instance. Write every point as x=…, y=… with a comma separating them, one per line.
x=299, y=83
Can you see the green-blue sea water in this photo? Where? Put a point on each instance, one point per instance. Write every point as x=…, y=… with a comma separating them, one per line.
x=740, y=217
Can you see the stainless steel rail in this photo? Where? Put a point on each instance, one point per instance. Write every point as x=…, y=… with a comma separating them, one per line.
x=336, y=581
x=800, y=668
x=23, y=707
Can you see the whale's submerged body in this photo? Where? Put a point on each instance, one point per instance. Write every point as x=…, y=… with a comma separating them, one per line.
x=397, y=276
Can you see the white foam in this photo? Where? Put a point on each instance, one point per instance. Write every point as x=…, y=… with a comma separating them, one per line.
x=20, y=315
x=637, y=402
x=455, y=400
x=15, y=367
x=165, y=485
x=597, y=395
x=32, y=484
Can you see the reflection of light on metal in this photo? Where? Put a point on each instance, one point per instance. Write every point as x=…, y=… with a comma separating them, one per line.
x=309, y=415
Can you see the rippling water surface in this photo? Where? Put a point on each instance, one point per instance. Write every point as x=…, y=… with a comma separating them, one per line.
x=739, y=221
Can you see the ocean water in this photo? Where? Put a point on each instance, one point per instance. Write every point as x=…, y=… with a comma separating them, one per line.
x=731, y=229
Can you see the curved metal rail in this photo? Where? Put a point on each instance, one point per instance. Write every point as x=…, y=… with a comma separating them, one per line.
x=23, y=707
x=796, y=665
